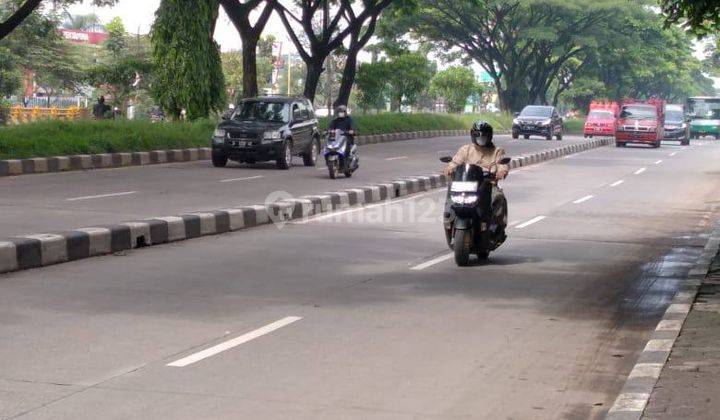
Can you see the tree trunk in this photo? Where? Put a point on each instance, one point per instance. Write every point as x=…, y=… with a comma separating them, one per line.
x=12, y=22
x=312, y=77
x=250, y=84
x=348, y=79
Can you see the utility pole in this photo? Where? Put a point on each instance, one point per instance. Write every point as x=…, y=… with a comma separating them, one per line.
x=289, y=74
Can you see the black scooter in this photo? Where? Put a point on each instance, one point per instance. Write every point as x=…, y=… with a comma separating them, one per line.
x=471, y=225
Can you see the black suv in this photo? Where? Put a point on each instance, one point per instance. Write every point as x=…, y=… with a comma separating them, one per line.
x=268, y=128
x=538, y=120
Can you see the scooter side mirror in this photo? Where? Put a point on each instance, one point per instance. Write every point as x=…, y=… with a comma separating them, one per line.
x=505, y=160
x=446, y=159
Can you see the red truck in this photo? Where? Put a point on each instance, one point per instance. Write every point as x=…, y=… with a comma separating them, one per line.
x=601, y=119
x=640, y=122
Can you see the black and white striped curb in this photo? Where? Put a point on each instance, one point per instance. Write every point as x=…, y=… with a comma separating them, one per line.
x=635, y=394
x=100, y=161
x=31, y=251
x=11, y=167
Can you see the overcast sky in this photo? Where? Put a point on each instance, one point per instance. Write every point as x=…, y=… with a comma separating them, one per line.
x=140, y=14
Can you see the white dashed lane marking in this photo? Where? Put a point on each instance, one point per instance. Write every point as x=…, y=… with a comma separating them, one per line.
x=227, y=345
x=90, y=197
x=616, y=183
x=247, y=178
x=639, y=171
x=584, y=199
x=530, y=222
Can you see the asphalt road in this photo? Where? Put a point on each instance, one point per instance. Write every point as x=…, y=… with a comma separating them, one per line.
x=61, y=201
x=360, y=314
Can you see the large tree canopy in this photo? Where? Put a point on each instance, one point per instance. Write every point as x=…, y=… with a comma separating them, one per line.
x=522, y=44
x=700, y=16
x=187, y=59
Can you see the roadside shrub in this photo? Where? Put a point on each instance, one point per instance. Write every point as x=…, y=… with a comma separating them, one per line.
x=57, y=138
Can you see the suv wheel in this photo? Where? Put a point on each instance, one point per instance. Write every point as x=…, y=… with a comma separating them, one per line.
x=219, y=160
x=515, y=135
x=284, y=159
x=310, y=157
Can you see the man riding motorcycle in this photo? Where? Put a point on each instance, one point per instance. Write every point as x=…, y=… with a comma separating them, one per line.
x=482, y=152
x=344, y=122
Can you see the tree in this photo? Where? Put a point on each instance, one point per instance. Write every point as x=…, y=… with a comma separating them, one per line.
x=702, y=17
x=13, y=13
x=9, y=74
x=188, y=70
x=239, y=12
x=521, y=44
x=116, y=42
x=81, y=22
x=372, y=85
x=118, y=78
x=455, y=85
x=363, y=27
x=321, y=31
x=409, y=76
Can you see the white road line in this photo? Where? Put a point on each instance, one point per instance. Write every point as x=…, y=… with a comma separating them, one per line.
x=396, y=158
x=658, y=162
x=227, y=345
x=584, y=199
x=616, y=183
x=639, y=171
x=241, y=179
x=90, y=197
x=432, y=262
x=513, y=223
x=673, y=154
x=370, y=206
x=529, y=222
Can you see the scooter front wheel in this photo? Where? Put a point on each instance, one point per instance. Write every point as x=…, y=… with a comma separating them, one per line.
x=461, y=247
x=333, y=169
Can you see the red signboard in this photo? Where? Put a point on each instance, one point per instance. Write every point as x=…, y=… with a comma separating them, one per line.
x=84, y=37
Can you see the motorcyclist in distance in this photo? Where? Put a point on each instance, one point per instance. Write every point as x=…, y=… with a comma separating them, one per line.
x=344, y=122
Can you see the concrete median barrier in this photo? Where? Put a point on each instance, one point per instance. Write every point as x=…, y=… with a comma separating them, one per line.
x=37, y=250
x=13, y=167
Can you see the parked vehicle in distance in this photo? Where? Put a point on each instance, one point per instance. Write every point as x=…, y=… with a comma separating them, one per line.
x=538, y=120
x=268, y=128
x=704, y=115
x=676, y=126
x=601, y=119
x=640, y=122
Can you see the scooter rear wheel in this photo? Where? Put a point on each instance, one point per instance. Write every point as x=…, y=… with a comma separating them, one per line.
x=462, y=251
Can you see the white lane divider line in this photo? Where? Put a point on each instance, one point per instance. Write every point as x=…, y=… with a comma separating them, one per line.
x=639, y=171
x=657, y=162
x=529, y=222
x=584, y=199
x=396, y=158
x=227, y=345
x=247, y=178
x=616, y=183
x=90, y=197
x=673, y=154
x=432, y=262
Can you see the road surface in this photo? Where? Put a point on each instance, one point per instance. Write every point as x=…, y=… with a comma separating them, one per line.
x=362, y=315
x=63, y=201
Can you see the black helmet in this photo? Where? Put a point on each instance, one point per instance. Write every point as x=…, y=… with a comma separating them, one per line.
x=482, y=133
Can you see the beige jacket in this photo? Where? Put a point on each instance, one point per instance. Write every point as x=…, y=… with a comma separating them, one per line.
x=485, y=157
